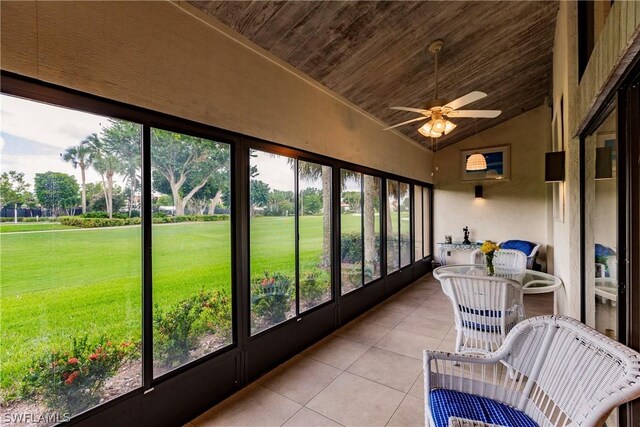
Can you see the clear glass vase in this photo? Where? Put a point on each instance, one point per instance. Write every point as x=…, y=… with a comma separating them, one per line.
x=490, y=268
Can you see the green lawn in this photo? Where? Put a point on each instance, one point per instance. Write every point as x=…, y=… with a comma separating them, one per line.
x=57, y=285
x=31, y=226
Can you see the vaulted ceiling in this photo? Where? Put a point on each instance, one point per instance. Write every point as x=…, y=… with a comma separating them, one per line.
x=375, y=53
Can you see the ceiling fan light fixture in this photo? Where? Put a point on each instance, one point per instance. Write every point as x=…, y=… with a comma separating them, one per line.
x=476, y=162
x=425, y=129
x=439, y=125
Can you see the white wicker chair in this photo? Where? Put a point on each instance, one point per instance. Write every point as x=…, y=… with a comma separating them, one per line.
x=510, y=259
x=531, y=257
x=485, y=310
x=607, y=287
x=564, y=373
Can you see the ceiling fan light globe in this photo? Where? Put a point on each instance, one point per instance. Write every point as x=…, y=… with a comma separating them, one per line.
x=435, y=134
x=449, y=127
x=439, y=125
x=425, y=130
x=476, y=162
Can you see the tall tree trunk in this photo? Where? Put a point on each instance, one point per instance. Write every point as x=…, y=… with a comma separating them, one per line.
x=83, y=188
x=110, y=193
x=214, y=202
x=132, y=193
x=104, y=190
x=369, y=221
x=326, y=216
x=177, y=200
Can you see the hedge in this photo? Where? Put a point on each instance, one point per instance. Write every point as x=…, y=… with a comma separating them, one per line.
x=75, y=221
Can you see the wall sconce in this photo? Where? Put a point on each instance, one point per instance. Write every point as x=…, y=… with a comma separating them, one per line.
x=554, y=166
x=604, y=164
x=478, y=191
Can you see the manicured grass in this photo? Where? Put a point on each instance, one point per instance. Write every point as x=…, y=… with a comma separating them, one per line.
x=31, y=226
x=58, y=285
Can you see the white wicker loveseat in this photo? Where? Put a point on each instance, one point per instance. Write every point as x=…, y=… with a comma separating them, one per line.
x=561, y=373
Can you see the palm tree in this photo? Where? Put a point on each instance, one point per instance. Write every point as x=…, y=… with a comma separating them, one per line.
x=80, y=156
x=106, y=163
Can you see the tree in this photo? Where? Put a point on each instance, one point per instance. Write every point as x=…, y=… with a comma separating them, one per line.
x=57, y=191
x=106, y=163
x=311, y=201
x=258, y=194
x=124, y=140
x=13, y=190
x=186, y=163
x=371, y=195
x=80, y=156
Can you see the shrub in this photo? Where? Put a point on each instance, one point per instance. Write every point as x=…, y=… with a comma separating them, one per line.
x=75, y=221
x=314, y=284
x=271, y=297
x=95, y=214
x=159, y=214
x=69, y=381
x=216, y=314
x=175, y=334
x=351, y=248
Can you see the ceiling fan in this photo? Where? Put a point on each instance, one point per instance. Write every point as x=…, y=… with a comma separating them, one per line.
x=438, y=111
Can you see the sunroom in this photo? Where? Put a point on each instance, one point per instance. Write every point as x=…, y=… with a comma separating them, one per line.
x=253, y=212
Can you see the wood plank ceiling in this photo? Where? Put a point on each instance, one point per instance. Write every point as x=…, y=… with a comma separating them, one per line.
x=374, y=53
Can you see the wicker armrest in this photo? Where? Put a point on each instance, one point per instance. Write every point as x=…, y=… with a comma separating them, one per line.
x=463, y=422
x=485, y=359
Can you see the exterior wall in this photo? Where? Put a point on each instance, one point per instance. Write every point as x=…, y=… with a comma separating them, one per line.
x=170, y=57
x=515, y=209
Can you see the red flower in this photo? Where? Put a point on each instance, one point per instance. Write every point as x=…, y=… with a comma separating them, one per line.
x=93, y=356
x=73, y=361
x=71, y=378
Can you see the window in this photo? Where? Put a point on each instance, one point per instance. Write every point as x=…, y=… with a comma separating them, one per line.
x=372, y=190
x=191, y=248
x=272, y=245
x=70, y=257
x=360, y=229
x=314, y=225
x=418, y=218
x=405, y=224
x=426, y=220
x=393, y=227
x=351, y=233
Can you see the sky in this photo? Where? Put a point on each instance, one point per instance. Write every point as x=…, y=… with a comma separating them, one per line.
x=33, y=136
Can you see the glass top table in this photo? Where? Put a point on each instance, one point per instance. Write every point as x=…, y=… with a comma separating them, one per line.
x=533, y=282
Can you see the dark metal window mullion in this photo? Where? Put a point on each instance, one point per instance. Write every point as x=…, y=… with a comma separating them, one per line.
x=362, y=237
x=399, y=224
x=296, y=189
x=147, y=271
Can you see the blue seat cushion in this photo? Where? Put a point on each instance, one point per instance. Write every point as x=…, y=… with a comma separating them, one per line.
x=449, y=403
x=520, y=245
x=494, y=329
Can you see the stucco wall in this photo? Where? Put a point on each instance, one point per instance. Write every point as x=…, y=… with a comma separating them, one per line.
x=515, y=209
x=614, y=50
x=170, y=57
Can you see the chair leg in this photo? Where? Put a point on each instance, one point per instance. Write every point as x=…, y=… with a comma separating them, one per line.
x=458, y=340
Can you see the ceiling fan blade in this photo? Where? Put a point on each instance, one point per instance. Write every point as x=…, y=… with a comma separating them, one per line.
x=407, y=122
x=480, y=114
x=415, y=110
x=467, y=99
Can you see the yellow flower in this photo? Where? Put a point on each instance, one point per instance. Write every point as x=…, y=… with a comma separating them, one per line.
x=489, y=247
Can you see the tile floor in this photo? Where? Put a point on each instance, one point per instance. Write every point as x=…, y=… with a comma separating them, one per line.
x=367, y=373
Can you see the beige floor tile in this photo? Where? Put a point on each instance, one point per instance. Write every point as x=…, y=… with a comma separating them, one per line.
x=387, y=368
x=253, y=406
x=409, y=413
x=407, y=343
x=421, y=325
x=417, y=390
x=447, y=345
x=300, y=379
x=362, y=332
x=400, y=306
x=337, y=351
x=385, y=317
x=355, y=401
x=305, y=417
